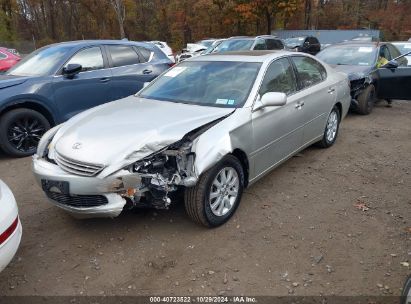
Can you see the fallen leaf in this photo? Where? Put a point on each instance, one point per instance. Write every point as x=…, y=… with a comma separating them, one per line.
x=405, y=264
x=361, y=205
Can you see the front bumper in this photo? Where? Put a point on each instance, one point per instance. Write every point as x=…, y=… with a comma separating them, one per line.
x=110, y=187
x=9, y=248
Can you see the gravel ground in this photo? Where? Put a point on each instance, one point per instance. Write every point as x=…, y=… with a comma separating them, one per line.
x=333, y=221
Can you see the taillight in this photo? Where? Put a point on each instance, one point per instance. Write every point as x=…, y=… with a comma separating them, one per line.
x=9, y=231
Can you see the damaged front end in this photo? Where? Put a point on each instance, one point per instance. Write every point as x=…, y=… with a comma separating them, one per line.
x=358, y=83
x=165, y=173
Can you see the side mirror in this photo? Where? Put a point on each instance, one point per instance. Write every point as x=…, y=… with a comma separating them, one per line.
x=271, y=99
x=393, y=64
x=71, y=70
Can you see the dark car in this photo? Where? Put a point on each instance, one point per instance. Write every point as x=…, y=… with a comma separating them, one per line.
x=305, y=44
x=265, y=42
x=58, y=81
x=376, y=70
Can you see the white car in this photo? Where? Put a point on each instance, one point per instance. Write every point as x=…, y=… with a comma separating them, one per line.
x=10, y=226
x=404, y=47
x=165, y=48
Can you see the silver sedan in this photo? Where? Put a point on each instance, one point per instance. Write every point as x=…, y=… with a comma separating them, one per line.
x=207, y=128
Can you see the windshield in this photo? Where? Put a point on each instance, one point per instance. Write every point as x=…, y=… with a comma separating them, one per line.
x=213, y=83
x=211, y=48
x=206, y=43
x=294, y=41
x=403, y=47
x=349, y=55
x=41, y=62
x=234, y=45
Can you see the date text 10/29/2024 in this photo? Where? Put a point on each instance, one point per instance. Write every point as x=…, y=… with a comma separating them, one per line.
x=204, y=299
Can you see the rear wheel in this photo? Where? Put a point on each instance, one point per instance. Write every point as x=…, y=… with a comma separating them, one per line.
x=21, y=130
x=217, y=194
x=366, y=100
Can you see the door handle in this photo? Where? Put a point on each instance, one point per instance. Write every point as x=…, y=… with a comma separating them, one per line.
x=299, y=105
x=147, y=72
x=331, y=90
x=105, y=79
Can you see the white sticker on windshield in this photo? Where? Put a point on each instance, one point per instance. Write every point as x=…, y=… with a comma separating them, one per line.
x=175, y=71
x=365, y=49
x=221, y=101
x=231, y=101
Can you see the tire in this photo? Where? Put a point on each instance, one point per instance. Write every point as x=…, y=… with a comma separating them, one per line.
x=21, y=130
x=366, y=100
x=406, y=291
x=198, y=203
x=331, y=128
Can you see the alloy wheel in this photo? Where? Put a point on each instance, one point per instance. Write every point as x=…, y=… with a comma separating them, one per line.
x=25, y=132
x=332, y=126
x=224, y=191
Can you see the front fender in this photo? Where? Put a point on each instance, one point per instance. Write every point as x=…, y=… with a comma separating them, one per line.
x=234, y=132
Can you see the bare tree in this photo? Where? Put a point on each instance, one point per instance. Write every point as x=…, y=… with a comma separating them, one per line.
x=120, y=10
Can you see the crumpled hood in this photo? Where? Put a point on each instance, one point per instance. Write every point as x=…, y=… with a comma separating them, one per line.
x=354, y=72
x=7, y=81
x=107, y=134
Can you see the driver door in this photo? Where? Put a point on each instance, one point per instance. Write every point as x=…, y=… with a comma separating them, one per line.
x=394, y=82
x=277, y=131
x=89, y=88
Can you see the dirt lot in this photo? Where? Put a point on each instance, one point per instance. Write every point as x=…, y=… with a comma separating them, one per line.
x=296, y=231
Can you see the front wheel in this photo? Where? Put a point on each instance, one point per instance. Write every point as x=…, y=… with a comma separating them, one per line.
x=217, y=194
x=366, y=100
x=21, y=130
x=331, y=128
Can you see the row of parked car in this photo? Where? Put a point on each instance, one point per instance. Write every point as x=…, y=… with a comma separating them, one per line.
x=204, y=129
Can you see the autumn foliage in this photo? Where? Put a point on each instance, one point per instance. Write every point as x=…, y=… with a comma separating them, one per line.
x=182, y=21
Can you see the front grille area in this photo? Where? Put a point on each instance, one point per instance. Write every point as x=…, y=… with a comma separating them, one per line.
x=76, y=167
x=82, y=201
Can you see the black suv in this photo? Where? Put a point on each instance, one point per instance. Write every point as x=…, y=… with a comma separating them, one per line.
x=305, y=44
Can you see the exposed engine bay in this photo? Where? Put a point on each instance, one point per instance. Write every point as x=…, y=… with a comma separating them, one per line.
x=165, y=172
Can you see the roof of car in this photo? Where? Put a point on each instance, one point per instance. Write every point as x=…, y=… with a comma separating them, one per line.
x=79, y=43
x=360, y=43
x=251, y=37
x=243, y=56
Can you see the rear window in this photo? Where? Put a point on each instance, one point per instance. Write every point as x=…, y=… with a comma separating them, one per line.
x=145, y=52
x=122, y=55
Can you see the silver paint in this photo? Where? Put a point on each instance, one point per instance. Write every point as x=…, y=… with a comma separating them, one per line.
x=122, y=132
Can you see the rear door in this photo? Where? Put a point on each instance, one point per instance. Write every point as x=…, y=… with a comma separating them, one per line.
x=129, y=70
x=319, y=96
x=87, y=89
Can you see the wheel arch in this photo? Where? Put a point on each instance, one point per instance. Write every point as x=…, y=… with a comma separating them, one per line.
x=32, y=105
x=242, y=157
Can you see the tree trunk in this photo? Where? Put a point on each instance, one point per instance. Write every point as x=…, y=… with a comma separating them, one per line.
x=269, y=21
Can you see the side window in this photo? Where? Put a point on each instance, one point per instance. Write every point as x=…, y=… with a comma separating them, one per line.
x=122, y=55
x=273, y=44
x=396, y=53
x=145, y=52
x=279, y=78
x=260, y=45
x=384, y=52
x=2, y=56
x=309, y=71
x=90, y=59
